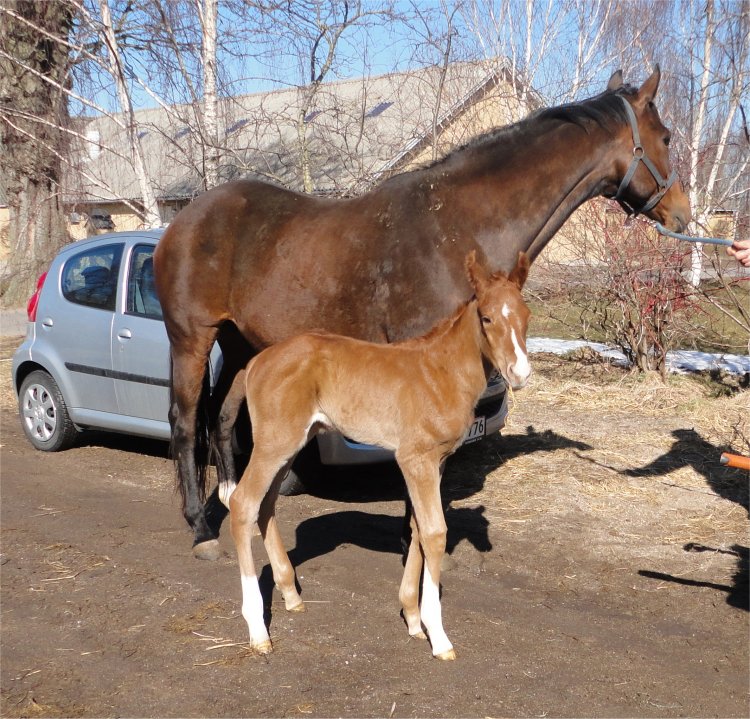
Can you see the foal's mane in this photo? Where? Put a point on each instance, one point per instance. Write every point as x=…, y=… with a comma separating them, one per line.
x=445, y=325
x=441, y=327
x=603, y=110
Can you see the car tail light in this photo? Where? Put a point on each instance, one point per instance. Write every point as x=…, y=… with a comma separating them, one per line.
x=34, y=300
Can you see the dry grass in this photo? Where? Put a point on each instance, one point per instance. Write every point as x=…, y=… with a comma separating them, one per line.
x=625, y=460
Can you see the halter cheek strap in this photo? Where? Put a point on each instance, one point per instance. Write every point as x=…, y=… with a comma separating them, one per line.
x=639, y=155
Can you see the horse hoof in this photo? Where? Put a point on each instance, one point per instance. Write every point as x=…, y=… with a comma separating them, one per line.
x=209, y=550
x=418, y=635
x=264, y=647
x=297, y=608
x=448, y=656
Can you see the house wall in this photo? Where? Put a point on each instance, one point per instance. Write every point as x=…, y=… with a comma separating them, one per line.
x=123, y=217
x=495, y=109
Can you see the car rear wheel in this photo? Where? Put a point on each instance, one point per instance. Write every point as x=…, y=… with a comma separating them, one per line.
x=44, y=416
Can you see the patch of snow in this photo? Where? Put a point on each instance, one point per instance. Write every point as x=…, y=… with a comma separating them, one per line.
x=677, y=360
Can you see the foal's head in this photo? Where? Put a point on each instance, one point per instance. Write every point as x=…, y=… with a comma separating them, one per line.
x=504, y=317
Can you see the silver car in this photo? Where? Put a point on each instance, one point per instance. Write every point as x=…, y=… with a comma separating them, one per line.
x=96, y=354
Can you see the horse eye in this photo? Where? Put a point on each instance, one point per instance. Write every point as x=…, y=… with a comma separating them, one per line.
x=486, y=320
x=666, y=140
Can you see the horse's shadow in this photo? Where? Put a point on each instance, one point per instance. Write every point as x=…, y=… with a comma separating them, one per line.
x=691, y=450
x=464, y=476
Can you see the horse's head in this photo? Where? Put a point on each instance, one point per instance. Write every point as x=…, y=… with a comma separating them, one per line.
x=504, y=317
x=645, y=181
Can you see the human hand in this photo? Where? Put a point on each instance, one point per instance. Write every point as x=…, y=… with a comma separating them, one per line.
x=740, y=250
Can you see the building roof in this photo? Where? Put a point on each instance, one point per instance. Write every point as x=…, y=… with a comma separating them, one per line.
x=357, y=132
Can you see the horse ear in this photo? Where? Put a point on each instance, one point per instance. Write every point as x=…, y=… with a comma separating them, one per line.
x=615, y=82
x=648, y=90
x=477, y=274
x=521, y=271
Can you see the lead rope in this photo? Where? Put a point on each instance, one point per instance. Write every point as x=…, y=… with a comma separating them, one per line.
x=687, y=238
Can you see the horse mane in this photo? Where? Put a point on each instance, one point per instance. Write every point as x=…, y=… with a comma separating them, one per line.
x=603, y=110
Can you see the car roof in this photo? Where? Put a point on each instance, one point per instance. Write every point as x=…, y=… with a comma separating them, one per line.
x=150, y=234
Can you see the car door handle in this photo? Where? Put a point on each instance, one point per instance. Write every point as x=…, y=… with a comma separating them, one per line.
x=47, y=322
x=125, y=334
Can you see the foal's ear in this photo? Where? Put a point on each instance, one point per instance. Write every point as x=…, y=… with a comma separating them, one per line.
x=477, y=274
x=648, y=90
x=520, y=272
x=615, y=82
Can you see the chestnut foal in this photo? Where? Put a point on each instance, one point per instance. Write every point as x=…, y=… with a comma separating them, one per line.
x=414, y=397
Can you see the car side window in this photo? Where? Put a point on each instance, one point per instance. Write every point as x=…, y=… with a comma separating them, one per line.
x=142, y=299
x=90, y=277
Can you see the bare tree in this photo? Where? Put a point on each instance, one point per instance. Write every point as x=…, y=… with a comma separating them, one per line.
x=33, y=111
x=719, y=49
x=115, y=64
x=208, y=13
x=316, y=32
x=436, y=30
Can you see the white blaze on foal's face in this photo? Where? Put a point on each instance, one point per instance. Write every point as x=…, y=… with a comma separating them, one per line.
x=506, y=334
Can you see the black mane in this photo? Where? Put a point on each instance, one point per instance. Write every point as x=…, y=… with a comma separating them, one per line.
x=603, y=110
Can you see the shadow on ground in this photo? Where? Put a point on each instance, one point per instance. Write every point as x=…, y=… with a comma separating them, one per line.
x=691, y=450
x=465, y=475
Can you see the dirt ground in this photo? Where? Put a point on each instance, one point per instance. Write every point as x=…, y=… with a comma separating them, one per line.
x=597, y=567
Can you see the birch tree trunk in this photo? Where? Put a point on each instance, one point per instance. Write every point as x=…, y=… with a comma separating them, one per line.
x=208, y=11
x=696, y=255
x=150, y=206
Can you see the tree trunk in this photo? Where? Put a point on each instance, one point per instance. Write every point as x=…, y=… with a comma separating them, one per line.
x=32, y=113
x=150, y=205
x=208, y=10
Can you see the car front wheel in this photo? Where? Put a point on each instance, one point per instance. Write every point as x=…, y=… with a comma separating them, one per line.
x=43, y=413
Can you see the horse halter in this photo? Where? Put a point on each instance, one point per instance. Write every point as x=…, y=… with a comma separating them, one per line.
x=639, y=155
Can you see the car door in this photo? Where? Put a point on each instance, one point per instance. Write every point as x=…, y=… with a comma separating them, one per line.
x=140, y=348
x=79, y=325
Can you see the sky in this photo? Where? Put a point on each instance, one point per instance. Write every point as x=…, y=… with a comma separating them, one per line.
x=275, y=56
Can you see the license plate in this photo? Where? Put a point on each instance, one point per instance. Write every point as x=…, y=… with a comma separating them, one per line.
x=477, y=431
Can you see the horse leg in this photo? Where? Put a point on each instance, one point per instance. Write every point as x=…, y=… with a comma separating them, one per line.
x=226, y=401
x=422, y=475
x=188, y=372
x=227, y=416
x=409, y=591
x=283, y=572
x=244, y=511
x=406, y=529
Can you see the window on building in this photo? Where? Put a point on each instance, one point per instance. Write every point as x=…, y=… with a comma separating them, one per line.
x=237, y=126
x=379, y=109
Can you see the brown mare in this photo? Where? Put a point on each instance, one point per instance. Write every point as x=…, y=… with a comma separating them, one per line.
x=250, y=264
x=427, y=389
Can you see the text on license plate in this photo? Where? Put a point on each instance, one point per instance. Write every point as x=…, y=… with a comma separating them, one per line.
x=477, y=430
